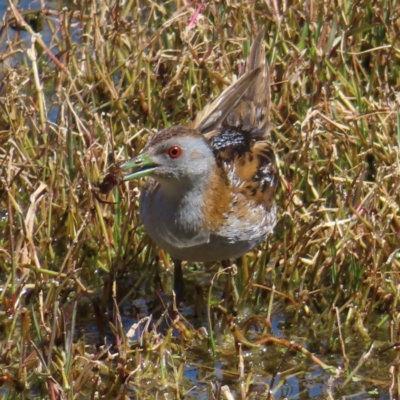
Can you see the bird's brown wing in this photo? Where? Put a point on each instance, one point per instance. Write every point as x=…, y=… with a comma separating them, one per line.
x=213, y=114
x=237, y=127
x=252, y=113
x=244, y=105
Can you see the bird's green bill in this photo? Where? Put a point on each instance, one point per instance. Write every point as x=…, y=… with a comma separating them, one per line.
x=139, y=166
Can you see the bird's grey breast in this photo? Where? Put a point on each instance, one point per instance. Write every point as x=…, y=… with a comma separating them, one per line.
x=173, y=220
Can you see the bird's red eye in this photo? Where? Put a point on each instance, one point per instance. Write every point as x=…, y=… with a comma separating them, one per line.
x=174, y=151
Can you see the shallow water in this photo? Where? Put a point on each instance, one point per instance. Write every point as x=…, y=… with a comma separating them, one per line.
x=294, y=376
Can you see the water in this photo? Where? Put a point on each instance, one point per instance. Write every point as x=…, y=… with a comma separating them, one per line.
x=9, y=35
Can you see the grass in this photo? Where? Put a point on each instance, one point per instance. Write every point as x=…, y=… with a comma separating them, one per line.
x=79, y=276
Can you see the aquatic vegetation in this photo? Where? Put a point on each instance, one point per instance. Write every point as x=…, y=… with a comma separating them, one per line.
x=314, y=312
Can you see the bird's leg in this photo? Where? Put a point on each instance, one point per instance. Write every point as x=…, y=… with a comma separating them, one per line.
x=179, y=283
x=228, y=288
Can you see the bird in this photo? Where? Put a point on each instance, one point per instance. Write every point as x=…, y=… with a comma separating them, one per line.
x=210, y=189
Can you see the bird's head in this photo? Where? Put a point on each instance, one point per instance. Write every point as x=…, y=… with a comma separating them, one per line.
x=174, y=154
